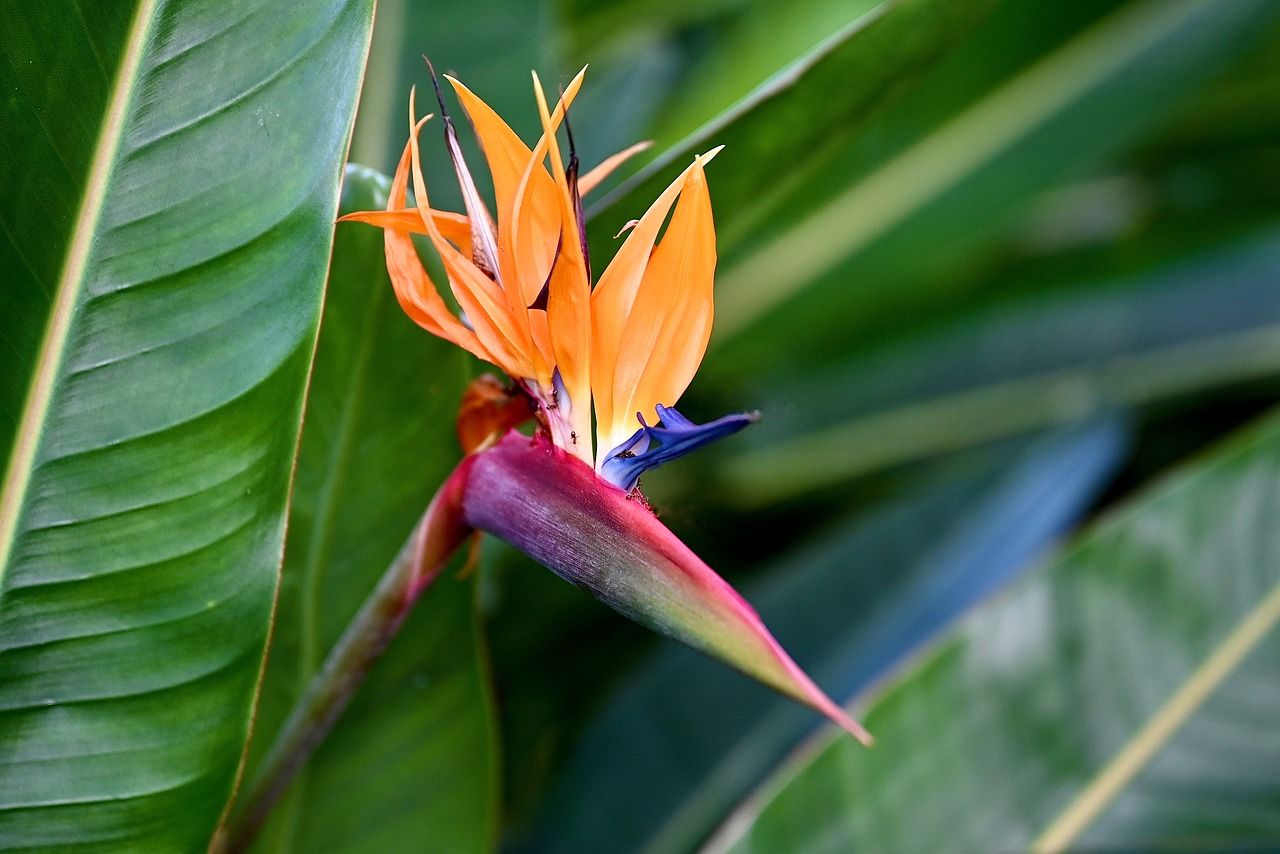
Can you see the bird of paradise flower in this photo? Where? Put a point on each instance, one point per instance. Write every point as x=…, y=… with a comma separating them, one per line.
x=577, y=355
x=623, y=348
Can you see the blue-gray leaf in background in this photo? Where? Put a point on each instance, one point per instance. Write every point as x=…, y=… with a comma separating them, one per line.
x=675, y=747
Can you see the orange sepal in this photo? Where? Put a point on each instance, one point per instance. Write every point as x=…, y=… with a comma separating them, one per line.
x=455, y=227
x=670, y=322
x=414, y=290
x=488, y=410
x=605, y=168
x=479, y=296
x=612, y=304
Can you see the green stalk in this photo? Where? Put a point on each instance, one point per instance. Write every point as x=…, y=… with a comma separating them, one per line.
x=433, y=541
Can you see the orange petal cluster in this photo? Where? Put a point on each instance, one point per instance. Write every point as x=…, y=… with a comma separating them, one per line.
x=521, y=280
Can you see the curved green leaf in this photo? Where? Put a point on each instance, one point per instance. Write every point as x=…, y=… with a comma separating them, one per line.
x=1095, y=341
x=1123, y=684
x=170, y=180
x=678, y=743
x=794, y=114
x=841, y=256
x=411, y=762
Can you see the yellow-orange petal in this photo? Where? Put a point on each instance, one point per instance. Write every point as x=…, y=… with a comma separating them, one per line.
x=414, y=290
x=612, y=303
x=569, y=298
x=605, y=168
x=670, y=323
x=454, y=226
x=477, y=294
x=508, y=157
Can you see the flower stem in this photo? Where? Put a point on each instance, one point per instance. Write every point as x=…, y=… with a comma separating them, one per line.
x=434, y=540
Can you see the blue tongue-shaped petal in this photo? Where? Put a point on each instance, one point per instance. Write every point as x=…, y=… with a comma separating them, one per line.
x=650, y=447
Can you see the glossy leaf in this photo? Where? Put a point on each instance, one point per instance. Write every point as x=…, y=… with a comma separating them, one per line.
x=491, y=44
x=681, y=740
x=840, y=256
x=1110, y=699
x=171, y=176
x=1094, y=337
x=867, y=62
x=412, y=761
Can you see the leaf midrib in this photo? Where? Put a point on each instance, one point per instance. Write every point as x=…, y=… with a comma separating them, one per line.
x=1162, y=727
x=53, y=345
x=910, y=180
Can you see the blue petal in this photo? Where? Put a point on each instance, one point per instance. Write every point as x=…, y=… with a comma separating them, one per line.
x=650, y=447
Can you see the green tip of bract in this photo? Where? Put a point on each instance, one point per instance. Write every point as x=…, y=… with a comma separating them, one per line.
x=560, y=512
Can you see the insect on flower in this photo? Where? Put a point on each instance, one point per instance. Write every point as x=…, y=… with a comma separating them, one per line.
x=616, y=353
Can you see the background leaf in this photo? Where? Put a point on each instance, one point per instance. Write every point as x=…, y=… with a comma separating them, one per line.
x=678, y=743
x=958, y=182
x=413, y=760
x=1126, y=662
x=170, y=184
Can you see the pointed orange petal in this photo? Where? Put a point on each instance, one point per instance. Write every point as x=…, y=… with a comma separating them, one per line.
x=592, y=179
x=454, y=226
x=667, y=332
x=536, y=208
x=478, y=295
x=507, y=157
x=611, y=306
x=569, y=298
x=414, y=290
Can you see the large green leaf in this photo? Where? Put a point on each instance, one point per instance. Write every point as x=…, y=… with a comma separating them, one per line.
x=838, y=256
x=1121, y=697
x=819, y=98
x=490, y=44
x=171, y=175
x=411, y=763
x=1091, y=340
x=682, y=739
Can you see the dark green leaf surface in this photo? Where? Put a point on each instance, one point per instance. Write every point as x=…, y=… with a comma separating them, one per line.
x=1090, y=339
x=1112, y=699
x=170, y=179
x=794, y=115
x=412, y=763
x=840, y=255
x=676, y=745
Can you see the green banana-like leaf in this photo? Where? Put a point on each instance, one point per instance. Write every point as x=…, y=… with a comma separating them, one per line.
x=803, y=113
x=1122, y=697
x=412, y=760
x=677, y=744
x=170, y=180
x=1097, y=340
x=838, y=256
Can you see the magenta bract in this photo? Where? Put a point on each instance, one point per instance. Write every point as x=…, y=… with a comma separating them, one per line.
x=556, y=509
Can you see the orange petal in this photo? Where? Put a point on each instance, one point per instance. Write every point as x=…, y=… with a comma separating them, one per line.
x=454, y=226
x=592, y=179
x=508, y=157
x=569, y=297
x=528, y=232
x=478, y=295
x=414, y=290
x=612, y=303
x=670, y=323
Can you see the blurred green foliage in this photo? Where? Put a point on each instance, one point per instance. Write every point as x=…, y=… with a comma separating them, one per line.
x=998, y=273
x=945, y=230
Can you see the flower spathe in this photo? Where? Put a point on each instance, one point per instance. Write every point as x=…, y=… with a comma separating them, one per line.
x=614, y=354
